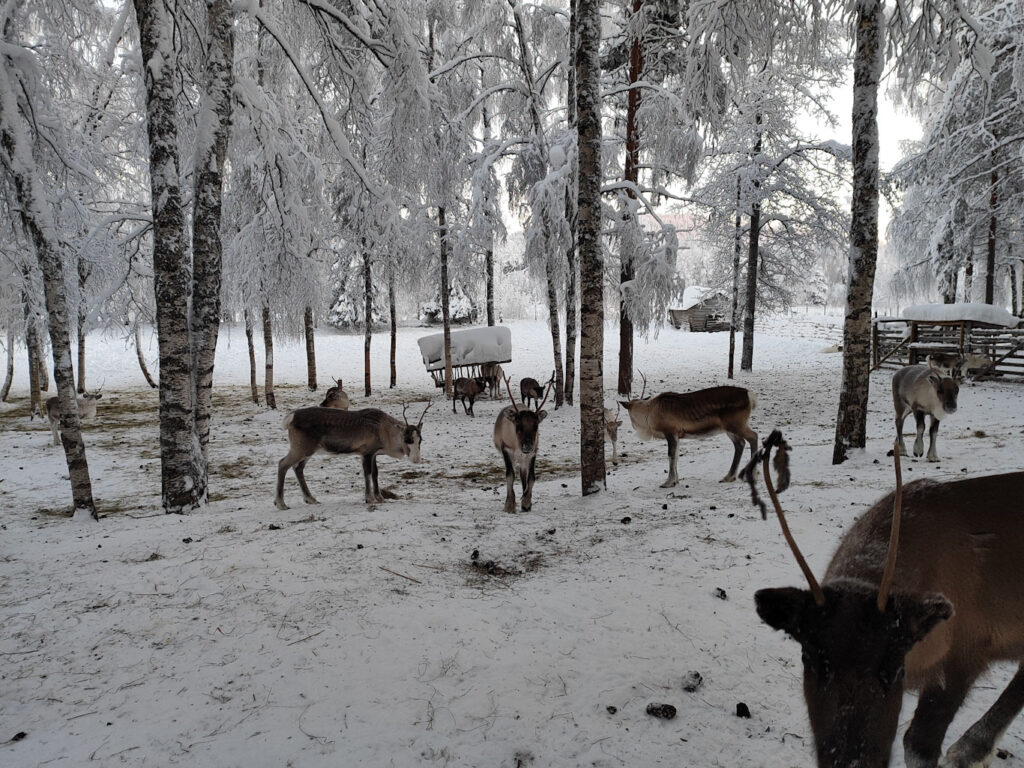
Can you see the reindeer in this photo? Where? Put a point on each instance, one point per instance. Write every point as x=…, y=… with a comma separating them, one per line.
x=467, y=389
x=612, y=422
x=531, y=389
x=674, y=415
x=86, y=410
x=366, y=432
x=493, y=373
x=921, y=389
x=336, y=397
x=922, y=593
x=516, y=438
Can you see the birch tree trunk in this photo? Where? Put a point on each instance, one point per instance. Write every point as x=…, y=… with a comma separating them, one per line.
x=307, y=326
x=588, y=100
x=268, y=358
x=83, y=277
x=31, y=345
x=215, y=126
x=5, y=390
x=394, y=328
x=249, y=333
x=572, y=267
x=556, y=341
x=990, y=262
x=446, y=318
x=39, y=355
x=631, y=173
x=736, y=251
x=36, y=216
x=368, y=317
x=851, y=422
x=140, y=356
x=182, y=479
x=753, y=257
x=969, y=277
x=1012, y=274
x=489, y=279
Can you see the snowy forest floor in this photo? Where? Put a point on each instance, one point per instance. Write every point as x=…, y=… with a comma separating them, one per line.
x=435, y=629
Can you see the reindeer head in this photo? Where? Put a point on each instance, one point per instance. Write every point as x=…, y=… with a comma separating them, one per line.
x=855, y=639
x=336, y=397
x=412, y=435
x=947, y=390
x=525, y=421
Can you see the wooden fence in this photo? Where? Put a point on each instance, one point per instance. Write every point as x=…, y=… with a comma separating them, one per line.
x=897, y=342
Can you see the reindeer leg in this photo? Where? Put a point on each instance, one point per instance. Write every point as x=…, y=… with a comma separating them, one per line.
x=901, y=416
x=377, y=494
x=300, y=475
x=367, y=478
x=528, y=476
x=56, y=436
x=737, y=444
x=933, y=431
x=936, y=706
x=919, y=442
x=615, y=452
x=975, y=747
x=673, y=454
x=282, y=469
x=510, y=480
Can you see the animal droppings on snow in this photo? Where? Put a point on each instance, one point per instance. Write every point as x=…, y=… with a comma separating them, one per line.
x=742, y=710
x=692, y=680
x=720, y=594
x=626, y=520
x=664, y=711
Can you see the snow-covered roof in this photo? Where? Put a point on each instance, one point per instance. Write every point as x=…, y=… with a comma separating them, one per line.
x=972, y=311
x=470, y=346
x=697, y=294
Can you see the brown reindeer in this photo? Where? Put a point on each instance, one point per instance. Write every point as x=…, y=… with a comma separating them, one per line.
x=922, y=593
x=366, y=432
x=86, y=410
x=516, y=437
x=494, y=374
x=531, y=389
x=336, y=397
x=467, y=389
x=921, y=389
x=674, y=415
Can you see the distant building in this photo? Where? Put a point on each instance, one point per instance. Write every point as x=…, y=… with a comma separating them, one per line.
x=702, y=309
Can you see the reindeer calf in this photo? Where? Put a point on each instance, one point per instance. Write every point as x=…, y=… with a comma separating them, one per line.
x=336, y=397
x=493, y=373
x=86, y=410
x=921, y=389
x=674, y=415
x=516, y=437
x=366, y=432
x=467, y=389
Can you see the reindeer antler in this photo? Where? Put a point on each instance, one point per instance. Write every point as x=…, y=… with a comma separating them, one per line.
x=894, y=533
x=775, y=440
x=404, y=406
x=642, y=391
x=547, y=392
x=420, y=422
x=509, y=388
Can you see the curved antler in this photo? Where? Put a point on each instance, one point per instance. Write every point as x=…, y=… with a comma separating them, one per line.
x=420, y=422
x=509, y=388
x=775, y=439
x=404, y=406
x=546, y=393
x=894, y=533
x=642, y=391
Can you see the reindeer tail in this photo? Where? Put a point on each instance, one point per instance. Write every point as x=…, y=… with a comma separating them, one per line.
x=753, y=399
x=288, y=420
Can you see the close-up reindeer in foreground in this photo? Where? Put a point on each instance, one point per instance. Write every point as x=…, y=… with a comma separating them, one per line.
x=674, y=415
x=516, y=437
x=923, y=593
x=336, y=397
x=366, y=432
x=921, y=389
x=86, y=410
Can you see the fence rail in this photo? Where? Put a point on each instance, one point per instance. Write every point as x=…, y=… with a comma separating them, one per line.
x=895, y=343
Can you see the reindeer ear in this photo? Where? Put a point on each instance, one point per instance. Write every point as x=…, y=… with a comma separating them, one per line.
x=919, y=614
x=624, y=404
x=784, y=608
x=541, y=415
x=510, y=414
x=935, y=379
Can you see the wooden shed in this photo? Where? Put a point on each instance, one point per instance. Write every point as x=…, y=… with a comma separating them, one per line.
x=702, y=309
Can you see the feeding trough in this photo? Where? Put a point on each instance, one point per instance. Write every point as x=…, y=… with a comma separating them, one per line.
x=471, y=348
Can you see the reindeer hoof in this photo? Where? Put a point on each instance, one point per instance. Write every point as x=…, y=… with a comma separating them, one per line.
x=527, y=507
x=310, y=500
x=670, y=484
x=728, y=479
x=934, y=458
x=385, y=494
x=279, y=503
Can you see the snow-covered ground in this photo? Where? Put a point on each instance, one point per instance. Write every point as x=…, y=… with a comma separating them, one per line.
x=343, y=635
